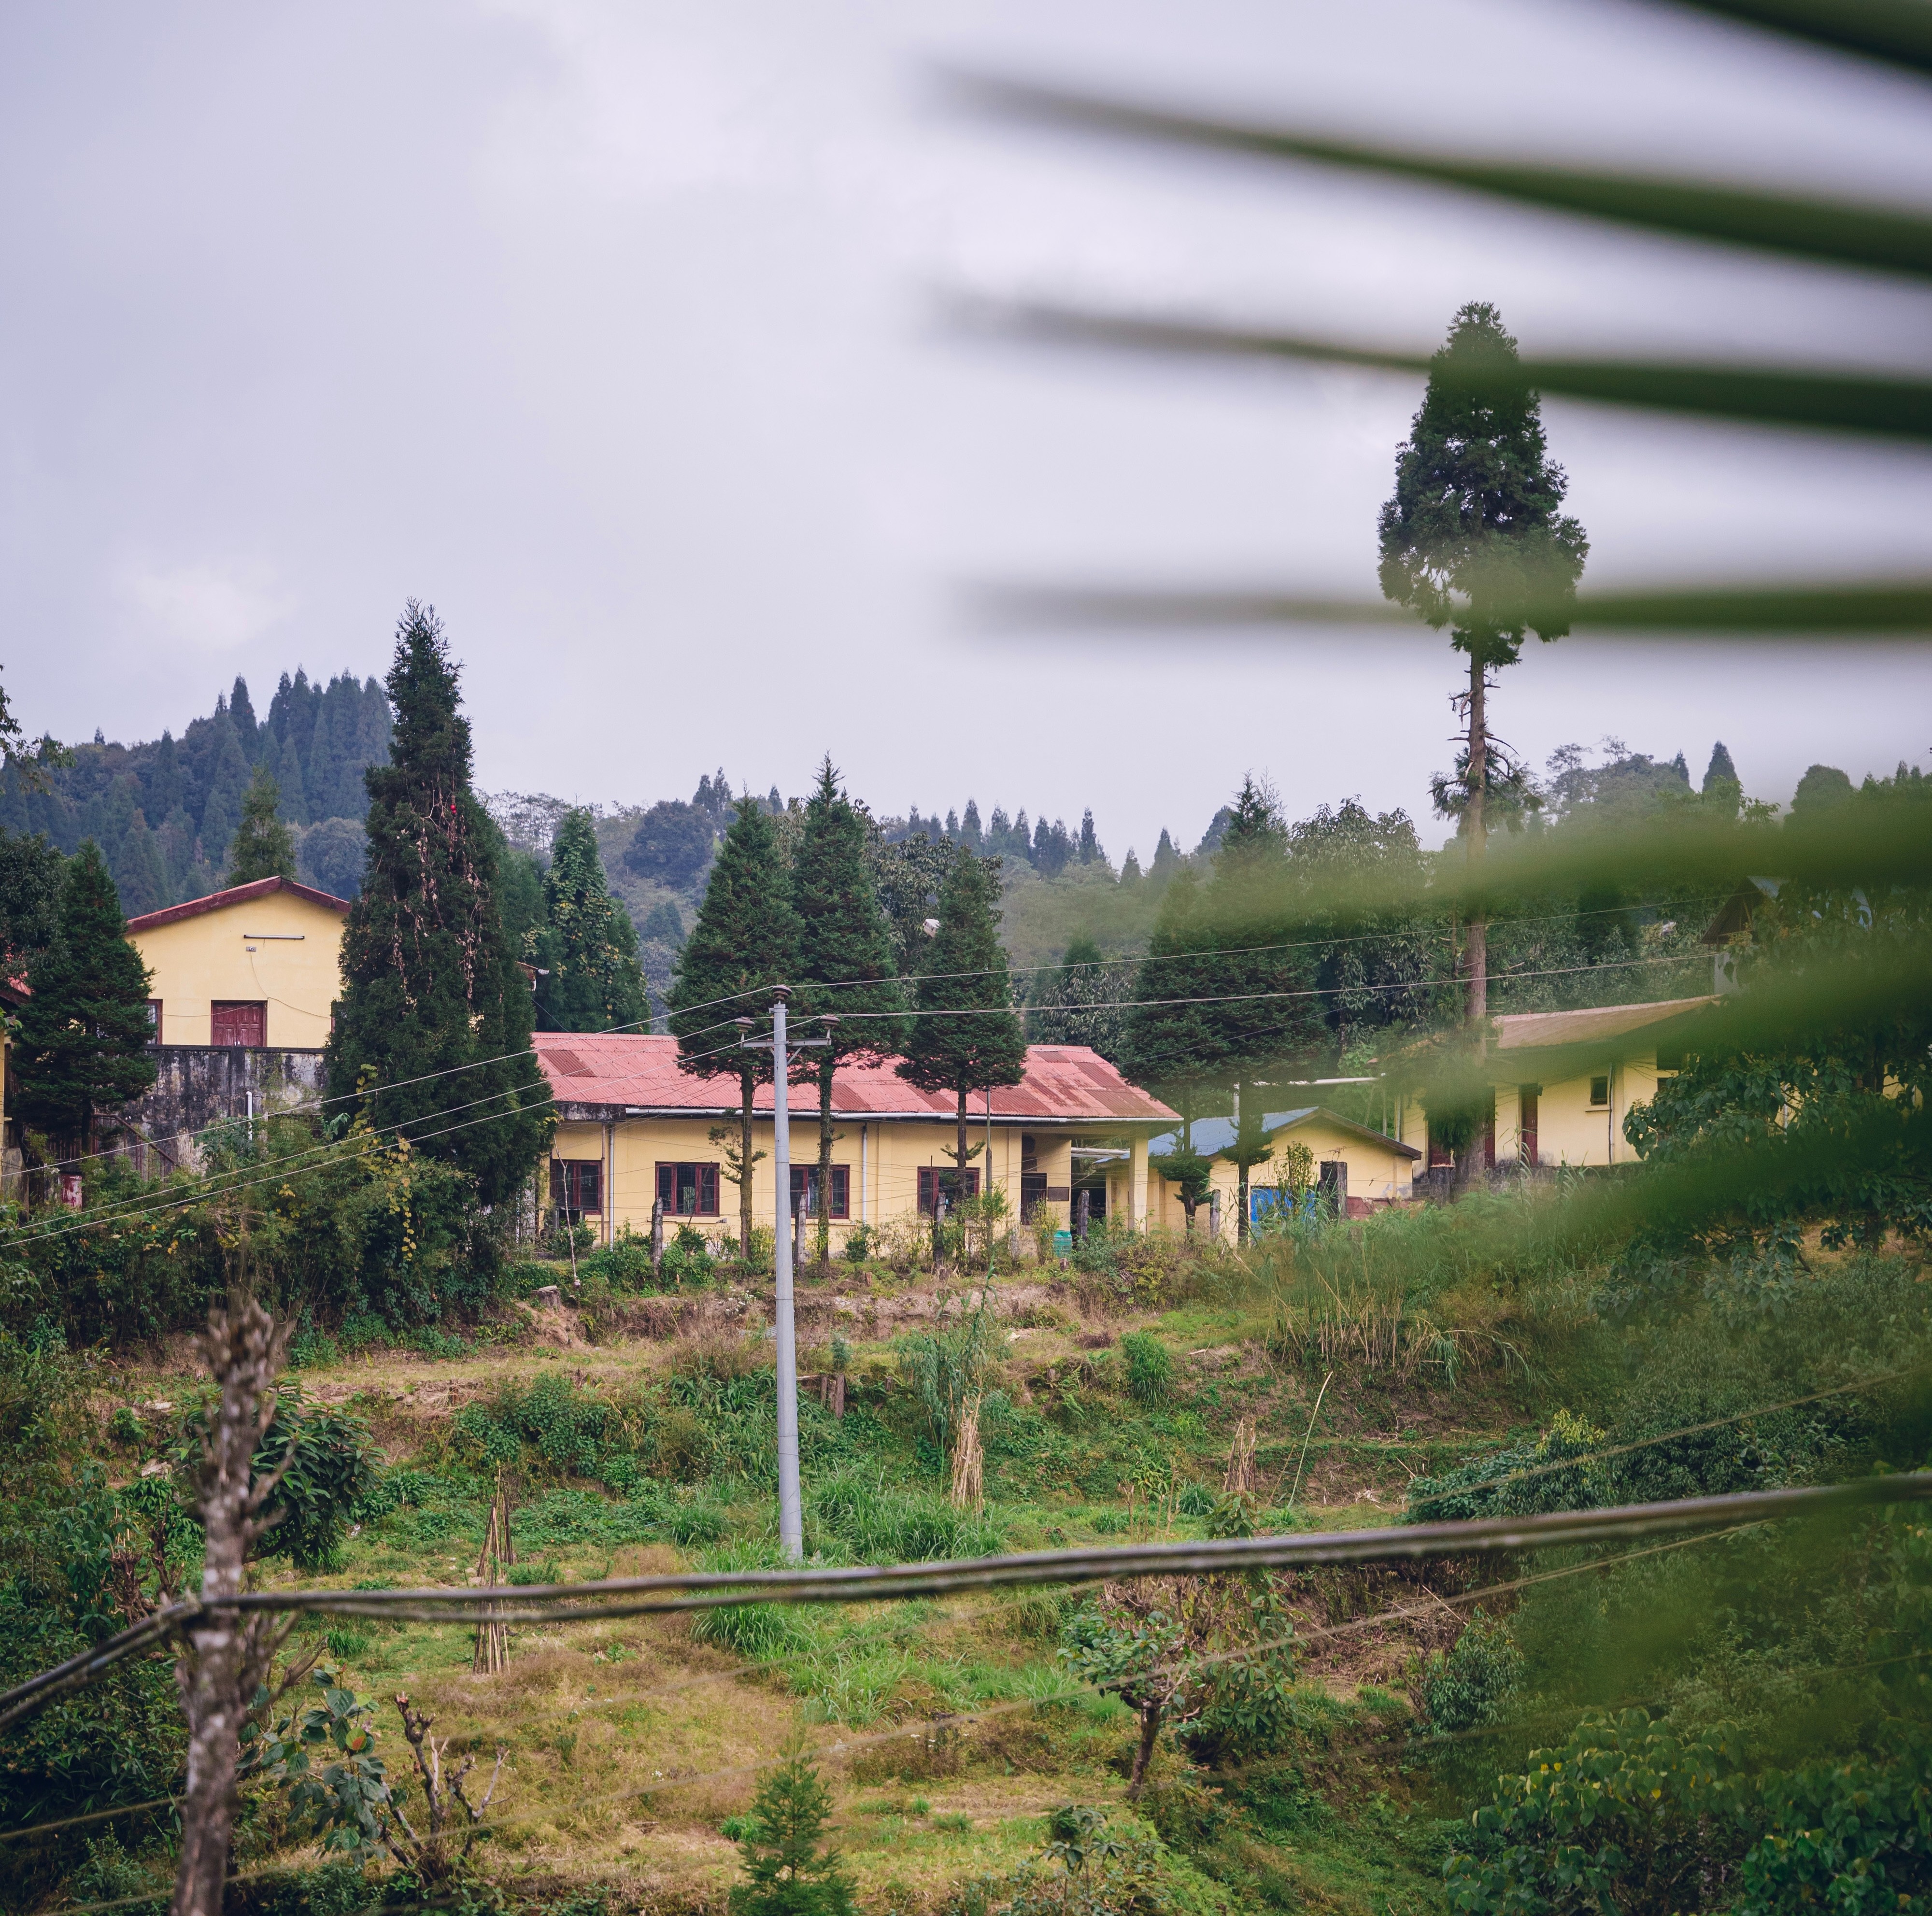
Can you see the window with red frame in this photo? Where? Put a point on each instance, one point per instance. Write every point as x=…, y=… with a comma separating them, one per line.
x=688, y=1190
x=933, y=1178
x=805, y=1184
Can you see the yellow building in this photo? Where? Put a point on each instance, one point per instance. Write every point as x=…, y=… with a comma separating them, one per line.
x=634, y=1130
x=1566, y=1080
x=1370, y=1171
x=257, y=965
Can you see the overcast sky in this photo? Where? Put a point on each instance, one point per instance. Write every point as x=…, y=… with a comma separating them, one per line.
x=610, y=328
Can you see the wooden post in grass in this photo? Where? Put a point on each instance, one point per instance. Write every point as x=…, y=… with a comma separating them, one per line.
x=657, y=1237
x=492, y=1635
x=1240, y=1480
x=969, y=1488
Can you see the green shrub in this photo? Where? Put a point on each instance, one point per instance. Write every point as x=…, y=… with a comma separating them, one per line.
x=748, y=1629
x=624, y=1265
x=1559, y=1471
x=1149, y=1367
x=1472, y=1686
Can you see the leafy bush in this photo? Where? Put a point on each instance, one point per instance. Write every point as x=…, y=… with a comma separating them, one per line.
x=1149, y=1367
x=624, y=1265
x=551, y=1422
x=1519, y=1481
x=1471, y=1686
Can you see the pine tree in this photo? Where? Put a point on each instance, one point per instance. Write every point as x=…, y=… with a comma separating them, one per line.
x=745, y=942
x=262, y=846
x=1267, y=1012
x=587, y=942
x=1089, y=840
x=1172, y=1043
x=845, y=964
x=1721, y=790
x=227, y=786
x=789, y=1876
x=965, y=1036
x=142, y=882
x=1077, y=1004
x=970, y=831
x=1472, y=539
x=84, y=1031
x=241, y=714
x=430, y=983
x=1166, y=859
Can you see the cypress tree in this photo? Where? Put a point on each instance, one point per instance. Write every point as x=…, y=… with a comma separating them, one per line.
x=587, y=942
x=745, y=941
x=1266, y=1011
x=143, y=880
x=430, y=983
x=84, y=1030
x=965, y=1036
x=1472, y=539
x=262, y=846
x=845, y=964
x=227, y=786
x=789, y=1875
x=1175, y=1049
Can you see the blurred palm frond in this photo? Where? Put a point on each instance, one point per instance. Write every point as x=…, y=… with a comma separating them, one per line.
x=1887, y=239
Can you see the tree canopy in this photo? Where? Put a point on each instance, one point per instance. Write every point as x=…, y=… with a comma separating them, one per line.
x=262, y=846
x=586, y=943
x=964, y=1035
x=436, y=1011
x=84, y=1030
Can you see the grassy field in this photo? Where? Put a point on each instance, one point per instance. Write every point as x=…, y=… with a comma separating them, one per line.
x=635, y=1433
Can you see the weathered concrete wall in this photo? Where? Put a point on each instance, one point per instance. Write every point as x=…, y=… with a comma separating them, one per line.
x=201, y=1086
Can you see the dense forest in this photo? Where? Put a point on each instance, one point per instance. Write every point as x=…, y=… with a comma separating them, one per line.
x=163, y=812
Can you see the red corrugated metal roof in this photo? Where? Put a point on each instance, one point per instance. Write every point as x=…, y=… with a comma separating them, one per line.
x=1064, y=1082
x=235, y=894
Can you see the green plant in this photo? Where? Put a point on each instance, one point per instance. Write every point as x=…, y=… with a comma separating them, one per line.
x=858, y=1244
x=789, y=1874
x=947, y=1365
x=1470, y=1686
x=1625, y=1815
x=1149, y=1367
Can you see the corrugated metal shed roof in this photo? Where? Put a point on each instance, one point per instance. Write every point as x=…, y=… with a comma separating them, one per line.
x=1213, y=1135
x=1064, y=1083
x=1539, y=1031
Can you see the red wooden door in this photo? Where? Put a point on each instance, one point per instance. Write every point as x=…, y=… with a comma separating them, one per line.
x=245, y=1022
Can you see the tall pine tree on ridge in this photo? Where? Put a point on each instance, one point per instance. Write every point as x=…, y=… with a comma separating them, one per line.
x=844, y=962
x=965, y=1036
x=435, y=1007
x=587, y=945
x=1473, y=539
x=745, y=942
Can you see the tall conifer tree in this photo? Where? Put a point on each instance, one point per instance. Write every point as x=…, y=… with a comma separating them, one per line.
x=84, y=1031
x=1263, y=1011
x=431, y=984
x=745, y=941
x=587, y=942
x=1473, y=539
x=845, y=964
x=964, y=1035
x=263, y=847
x=1172, y=1045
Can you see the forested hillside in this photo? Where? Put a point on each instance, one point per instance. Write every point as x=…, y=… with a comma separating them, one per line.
x=164, y=811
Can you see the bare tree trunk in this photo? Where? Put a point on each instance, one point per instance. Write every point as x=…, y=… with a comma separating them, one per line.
x=225, y=1660
x=959, y=1184
x=1144, y=1751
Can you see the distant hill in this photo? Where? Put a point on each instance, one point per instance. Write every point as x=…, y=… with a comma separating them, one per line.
x=164, y=812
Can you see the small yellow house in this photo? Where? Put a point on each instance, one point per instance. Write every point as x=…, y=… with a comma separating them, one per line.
x=1370, y=1171
x=633, y=1130
x=257, y=965
x=1565, y=1081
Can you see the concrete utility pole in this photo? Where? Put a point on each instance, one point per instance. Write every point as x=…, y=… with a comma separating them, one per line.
x=791, y=1508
